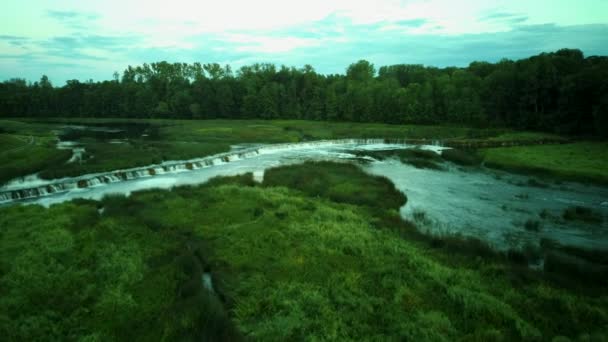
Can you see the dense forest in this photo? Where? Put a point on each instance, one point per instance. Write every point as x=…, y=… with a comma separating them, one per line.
x=563, y=92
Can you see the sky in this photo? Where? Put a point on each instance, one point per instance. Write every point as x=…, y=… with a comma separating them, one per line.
x=85, y=40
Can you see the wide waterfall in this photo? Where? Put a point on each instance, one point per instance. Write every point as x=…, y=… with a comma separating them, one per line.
x=16, y=191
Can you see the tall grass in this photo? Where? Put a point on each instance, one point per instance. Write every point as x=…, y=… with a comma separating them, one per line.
x=339, y=182
x=293, y=259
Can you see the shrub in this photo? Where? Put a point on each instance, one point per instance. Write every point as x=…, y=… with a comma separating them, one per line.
x=576, y=268
x=116, y=204
x=524, y=255
x=257, y=212
x=244, y=180
x=467, y=246
x=517, y=257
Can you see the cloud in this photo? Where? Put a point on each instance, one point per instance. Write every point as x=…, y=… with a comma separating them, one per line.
x=9, y=37
x=71, y=15
x=521, y=42
x=517, y=20
x=72, y=19
x=16, y=41
x=394, y=47
x=75, y=46
x=497, y=16
x=93, y=47
x=412, y=22
x=504, y=18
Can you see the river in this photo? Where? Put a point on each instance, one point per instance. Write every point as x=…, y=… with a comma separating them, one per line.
x=490, y=205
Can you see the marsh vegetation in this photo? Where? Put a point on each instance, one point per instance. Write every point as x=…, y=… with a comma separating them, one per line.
x=290, y=258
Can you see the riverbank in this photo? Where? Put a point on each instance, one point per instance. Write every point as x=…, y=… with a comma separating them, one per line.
x=585, y=162
x=155, y=141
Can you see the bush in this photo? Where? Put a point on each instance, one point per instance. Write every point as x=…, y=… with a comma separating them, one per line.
x=517, y=257
x=243, y=180
x=576, y=267
x=468, y=246
x=525, y=255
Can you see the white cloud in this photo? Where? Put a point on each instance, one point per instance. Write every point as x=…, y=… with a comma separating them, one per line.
x=111, y=33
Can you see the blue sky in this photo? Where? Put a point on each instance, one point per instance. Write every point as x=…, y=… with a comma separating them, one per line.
x=84, y=40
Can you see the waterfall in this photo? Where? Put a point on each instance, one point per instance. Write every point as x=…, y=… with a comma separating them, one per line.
x=21, y=191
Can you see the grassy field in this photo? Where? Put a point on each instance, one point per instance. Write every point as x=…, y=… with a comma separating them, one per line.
x=584, y=161
x=289, y=260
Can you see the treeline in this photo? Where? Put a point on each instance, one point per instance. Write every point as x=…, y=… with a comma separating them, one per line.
x=562, y=92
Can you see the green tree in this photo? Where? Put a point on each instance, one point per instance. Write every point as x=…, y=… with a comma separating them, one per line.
x=362, y=71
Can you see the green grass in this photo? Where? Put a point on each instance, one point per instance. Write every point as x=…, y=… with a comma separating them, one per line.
x=339, y=182
x=526, y=136
x=30, y=159
x=585, y=161
x=290, y=261
x=10, y=142
x=102, y=156
x=27, y=148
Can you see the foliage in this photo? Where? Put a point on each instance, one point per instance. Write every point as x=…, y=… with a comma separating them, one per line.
x=340, y=182
x=30, y=159
x=104, y=156
x=560, y=92
x=286, y=265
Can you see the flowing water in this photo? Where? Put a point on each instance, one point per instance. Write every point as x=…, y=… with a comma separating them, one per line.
x=473, y=202
x=494, y=206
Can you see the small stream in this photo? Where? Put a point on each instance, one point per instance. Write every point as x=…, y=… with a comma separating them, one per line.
x=490, y=205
